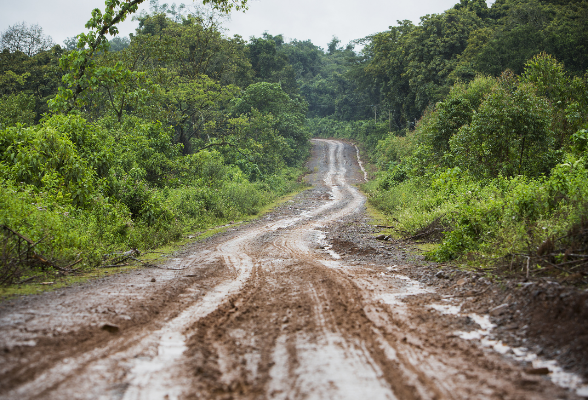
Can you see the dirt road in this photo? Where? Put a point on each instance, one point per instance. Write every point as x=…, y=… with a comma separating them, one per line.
x=293, y=306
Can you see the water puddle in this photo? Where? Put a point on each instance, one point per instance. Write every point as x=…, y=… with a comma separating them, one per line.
x=334, y=264
x=557, y=375
x=409, y=287
x=365, y=176
x=446, y=309
x=321, y=239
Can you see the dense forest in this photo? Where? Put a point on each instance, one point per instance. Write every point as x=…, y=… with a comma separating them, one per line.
x=107, y=147
x=477, y=119
x=479, y=127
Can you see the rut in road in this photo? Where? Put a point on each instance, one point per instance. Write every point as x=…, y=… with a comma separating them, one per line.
x=284, y=318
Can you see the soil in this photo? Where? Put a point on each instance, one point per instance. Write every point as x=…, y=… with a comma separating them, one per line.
x=304, y=303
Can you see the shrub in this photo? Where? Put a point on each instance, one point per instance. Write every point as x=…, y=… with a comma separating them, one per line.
x=509, y=135
x=17, y=109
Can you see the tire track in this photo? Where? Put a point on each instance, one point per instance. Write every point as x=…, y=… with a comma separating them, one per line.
x=280, y=320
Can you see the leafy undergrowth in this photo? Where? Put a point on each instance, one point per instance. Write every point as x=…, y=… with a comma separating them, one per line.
x=497, y=175
x=514, y=226
x=38, y=280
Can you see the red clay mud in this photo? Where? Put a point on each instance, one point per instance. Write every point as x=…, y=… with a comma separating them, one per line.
x=302, y=304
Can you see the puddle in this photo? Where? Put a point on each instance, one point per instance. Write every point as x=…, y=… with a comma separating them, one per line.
x=284, y=223
x=365, y=176
x=333, y=264
x=321, y=239
x=446, y=309
x=557, y=374
x=332, y=253
x=410, y=288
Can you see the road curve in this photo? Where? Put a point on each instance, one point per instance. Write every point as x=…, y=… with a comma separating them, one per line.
x=267, y=311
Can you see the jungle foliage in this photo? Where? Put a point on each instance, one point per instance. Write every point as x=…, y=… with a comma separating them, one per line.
x=479, y=121
x=498, y=170
x=399, y=73
x=104, y=150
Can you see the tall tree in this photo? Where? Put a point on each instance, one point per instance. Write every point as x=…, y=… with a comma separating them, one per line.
x=29, y=40
x=79, y=64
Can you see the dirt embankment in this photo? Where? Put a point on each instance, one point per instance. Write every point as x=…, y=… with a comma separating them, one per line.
x=302, y=304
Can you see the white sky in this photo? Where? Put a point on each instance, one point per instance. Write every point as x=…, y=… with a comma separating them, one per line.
x=317, y=20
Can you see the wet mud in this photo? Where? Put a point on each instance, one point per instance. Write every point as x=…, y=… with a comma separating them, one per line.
x=301, y=304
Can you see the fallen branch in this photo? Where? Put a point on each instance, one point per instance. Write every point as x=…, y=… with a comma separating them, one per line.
x=569, y=255
x=143, y=262
x=26, y=280
x=426, y=233
x=48, y=263
x=74, y=263
x=129, y=253
x=26, y=239
x=114, y=265
x=579, y=265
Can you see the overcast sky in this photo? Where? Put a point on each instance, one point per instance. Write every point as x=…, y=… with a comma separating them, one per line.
x=317, y=20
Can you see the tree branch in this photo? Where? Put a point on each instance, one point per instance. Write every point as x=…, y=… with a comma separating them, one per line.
x=100, y=38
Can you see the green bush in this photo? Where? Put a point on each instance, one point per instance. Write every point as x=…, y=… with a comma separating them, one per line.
x=17, y=109
x=515, y=215
x=509, y=134
x=64, y=232
x=47, y=159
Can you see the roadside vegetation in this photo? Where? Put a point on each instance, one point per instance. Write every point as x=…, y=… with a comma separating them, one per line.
x=170, y=134
x=478, y=121
x=497, y=171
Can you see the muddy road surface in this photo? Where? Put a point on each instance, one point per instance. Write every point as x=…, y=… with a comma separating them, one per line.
x=301, y=304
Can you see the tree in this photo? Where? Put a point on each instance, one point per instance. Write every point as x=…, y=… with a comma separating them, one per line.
x=288, y=116
x=194, y=107
x=386, y=64
x=38, y=76
x=509, y=134
x=270, y=63
x=435, y=131
x=116, y=88
x=79, y=64
x=119, y=43
x=332, y=48
x=526, y=28
x=16, y=108
x=192, y=48
x=433, y=50
x=305, y=58
x=568, y=95
x=29, y=40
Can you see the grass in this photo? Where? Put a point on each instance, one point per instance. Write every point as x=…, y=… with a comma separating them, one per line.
x=377, y=217
x=9, y=292
x=425, y=247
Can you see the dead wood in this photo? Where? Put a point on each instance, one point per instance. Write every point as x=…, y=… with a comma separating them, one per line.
x=18, y=253
x=114, y=265
x=432, y=232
